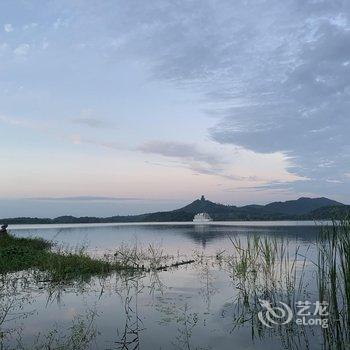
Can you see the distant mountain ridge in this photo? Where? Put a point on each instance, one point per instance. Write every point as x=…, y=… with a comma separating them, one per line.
x=299, y=209
x=300, y=206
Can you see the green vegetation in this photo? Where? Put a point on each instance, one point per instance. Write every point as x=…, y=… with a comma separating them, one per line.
x=17, y=254
x=266, y=268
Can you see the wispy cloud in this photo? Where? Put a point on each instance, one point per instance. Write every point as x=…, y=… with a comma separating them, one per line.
x=60, y=23
x=88, y=118
x=22, y=50
x=189, y=156
x=219, y=161
x=29, y=26
x=277, y=74
x=50, y=128
x=24, y=123
x=8, y=28
x=87, y=198
x=91, y=122
x=78, y=139
x=273, y=77
x=180, y=150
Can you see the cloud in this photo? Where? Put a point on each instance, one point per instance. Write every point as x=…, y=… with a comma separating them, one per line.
x=276, y=74
x=8, y=27
x=273, y=186
x=180, y=150
x=226, y=162
x=91, y=122
x=87, y=118
x=86, y=198
x=30, y=26
x=189, y=156
x=25, y=123
x=304, y=115
x=22, y=50
x=60, y=23
x=51, y=128
x=78, y=139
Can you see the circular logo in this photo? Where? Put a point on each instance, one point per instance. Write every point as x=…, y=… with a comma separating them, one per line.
x=274, y=315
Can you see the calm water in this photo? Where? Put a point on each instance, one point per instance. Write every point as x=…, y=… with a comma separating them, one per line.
x=191, y=307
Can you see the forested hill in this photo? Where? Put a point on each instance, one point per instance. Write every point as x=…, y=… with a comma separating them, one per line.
x=300, y=209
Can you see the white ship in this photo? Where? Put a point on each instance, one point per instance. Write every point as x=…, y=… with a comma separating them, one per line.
x=202, y=218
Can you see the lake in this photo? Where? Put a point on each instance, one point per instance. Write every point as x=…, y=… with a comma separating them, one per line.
x=199, y=305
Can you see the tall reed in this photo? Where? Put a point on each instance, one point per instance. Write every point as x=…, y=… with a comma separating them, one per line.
x=333, y=277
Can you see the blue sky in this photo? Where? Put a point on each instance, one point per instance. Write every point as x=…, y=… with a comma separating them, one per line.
x=244, y=101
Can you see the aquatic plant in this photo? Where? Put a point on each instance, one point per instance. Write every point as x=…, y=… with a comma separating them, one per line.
x=265, y=268
x=79, y=335
x=128, y=336
x=17, y=254
x=151, y=258
x=333, y=277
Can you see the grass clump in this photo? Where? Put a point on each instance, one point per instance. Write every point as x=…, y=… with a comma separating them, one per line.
x=18, y=254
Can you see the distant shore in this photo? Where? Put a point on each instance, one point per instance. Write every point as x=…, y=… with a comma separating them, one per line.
x=302, y=209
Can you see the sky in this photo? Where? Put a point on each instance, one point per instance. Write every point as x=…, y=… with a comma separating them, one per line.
x=135, y=105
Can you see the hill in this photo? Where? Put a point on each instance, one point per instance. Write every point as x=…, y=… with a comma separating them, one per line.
x=332, y=212
x=299, y=209
x=300, y=206
x=204, y=206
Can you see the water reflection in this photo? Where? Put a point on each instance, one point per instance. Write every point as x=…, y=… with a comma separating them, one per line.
x=210, y=304
x=184, y=238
